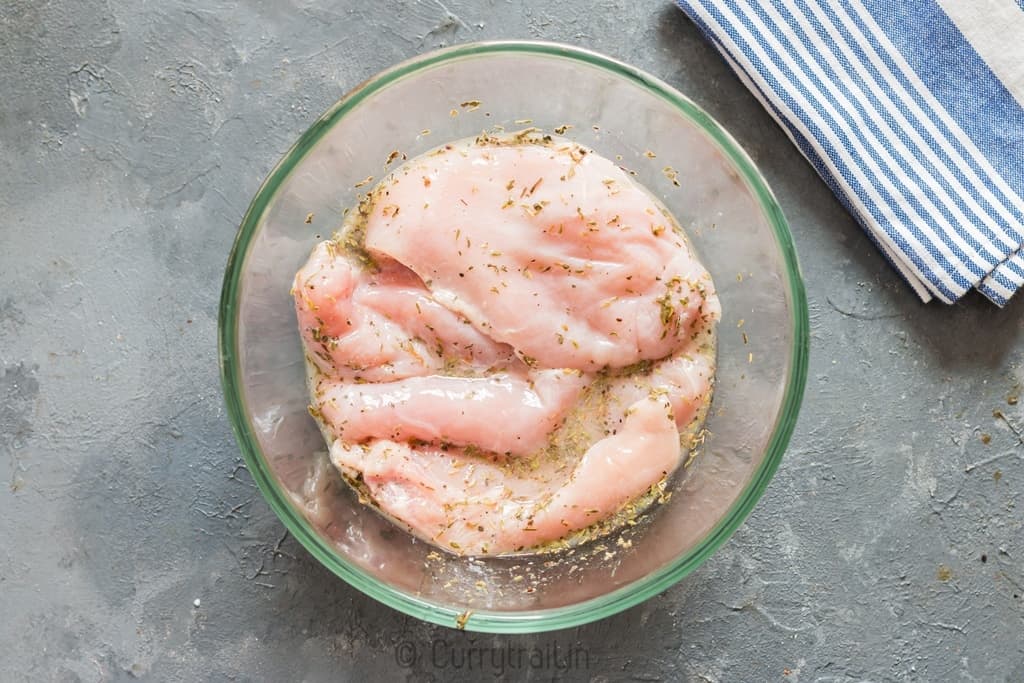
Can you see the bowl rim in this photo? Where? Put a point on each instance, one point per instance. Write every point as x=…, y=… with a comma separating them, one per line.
x=535, y=620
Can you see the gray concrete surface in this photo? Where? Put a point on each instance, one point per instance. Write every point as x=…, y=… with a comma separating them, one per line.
x=132, y=135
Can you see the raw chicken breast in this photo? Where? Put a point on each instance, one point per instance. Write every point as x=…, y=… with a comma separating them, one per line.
x=499, y=413
x=508, y=344
x=684, y=379
x=551, y=250
x=379, y=323
x=460, y=502
x=480, y=505
x=615, y=470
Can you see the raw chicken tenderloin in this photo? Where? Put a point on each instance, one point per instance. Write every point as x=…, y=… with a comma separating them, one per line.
x=684, y=379
x=614, y=471
x=500, y=413
x=518, y=240
x=380, y=324
x=475, y=505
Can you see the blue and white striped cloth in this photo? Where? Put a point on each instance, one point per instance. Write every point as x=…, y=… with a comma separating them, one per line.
x=913, y=113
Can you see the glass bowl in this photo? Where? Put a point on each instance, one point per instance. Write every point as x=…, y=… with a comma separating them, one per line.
x=701, y=175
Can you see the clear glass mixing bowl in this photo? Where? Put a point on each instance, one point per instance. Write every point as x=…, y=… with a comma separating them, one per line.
x=733, y=222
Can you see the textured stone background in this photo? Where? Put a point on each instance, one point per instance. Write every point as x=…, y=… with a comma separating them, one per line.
x=132, y=135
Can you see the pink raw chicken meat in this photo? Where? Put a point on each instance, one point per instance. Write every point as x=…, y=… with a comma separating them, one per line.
x=499, y=413
x=475, y=505
x=382, y=324
x=684, y=379
x=551, y=250
x=503, y=278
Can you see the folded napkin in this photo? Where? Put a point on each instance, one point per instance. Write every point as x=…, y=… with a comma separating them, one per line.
x=911, y=111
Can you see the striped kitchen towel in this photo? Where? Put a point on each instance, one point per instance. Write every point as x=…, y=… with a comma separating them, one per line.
x=911, y=111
